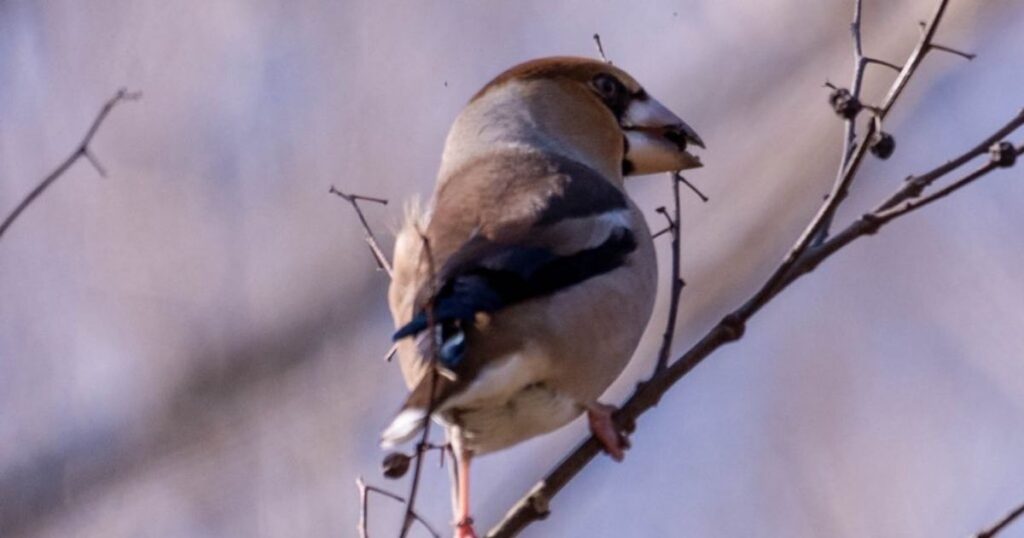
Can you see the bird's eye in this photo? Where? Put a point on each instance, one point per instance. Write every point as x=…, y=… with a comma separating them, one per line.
x=606, y=86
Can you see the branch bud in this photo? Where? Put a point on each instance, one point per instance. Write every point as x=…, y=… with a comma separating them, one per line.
x=1003, y=154
x=395, y=465
x=844, y=103
x=882, y=145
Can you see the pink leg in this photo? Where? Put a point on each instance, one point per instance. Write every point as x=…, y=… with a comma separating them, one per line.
x=603, y=427
x=463, y=523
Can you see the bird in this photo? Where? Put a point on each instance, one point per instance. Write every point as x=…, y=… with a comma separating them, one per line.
x=521, y=291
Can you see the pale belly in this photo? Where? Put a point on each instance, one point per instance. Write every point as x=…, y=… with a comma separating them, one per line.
x=487, y=426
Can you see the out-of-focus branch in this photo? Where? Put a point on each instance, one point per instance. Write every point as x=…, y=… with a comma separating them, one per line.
x=82, y=151
x=812, y=247
x=996, y=528
x=371, y=239
x=364, y=508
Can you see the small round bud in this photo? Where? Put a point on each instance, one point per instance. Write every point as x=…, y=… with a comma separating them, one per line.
x=844, y=103
x=882, y=145
x=395, y=465
x=1003, y=154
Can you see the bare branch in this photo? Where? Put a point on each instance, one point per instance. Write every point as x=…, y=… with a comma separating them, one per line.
x=534, y=505
x=854, y=155
x=885, y=215
x=392, y=351
x=1001, y=524
x=95, y=162
x=424, y=443
x=693, y=188
x=966, y=55
x=364, y=490
x=916, y=57
x=677, y=282
x=82, y=151
x=371, y=240
x=883, y=63
x=915, y=184
x=364, y=505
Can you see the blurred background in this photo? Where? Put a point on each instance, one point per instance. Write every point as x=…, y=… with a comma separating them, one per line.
x=193, y=346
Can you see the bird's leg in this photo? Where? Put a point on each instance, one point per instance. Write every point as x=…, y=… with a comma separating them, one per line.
x=453, y=473
x=463, y=523
x=613, y=440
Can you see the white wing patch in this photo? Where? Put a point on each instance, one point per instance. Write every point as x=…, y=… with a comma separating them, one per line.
x=570, y=236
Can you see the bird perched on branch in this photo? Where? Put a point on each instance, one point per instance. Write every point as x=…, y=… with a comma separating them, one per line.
x=522, y=291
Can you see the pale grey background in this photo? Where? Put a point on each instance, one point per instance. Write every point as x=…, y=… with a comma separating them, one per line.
x=192, y=346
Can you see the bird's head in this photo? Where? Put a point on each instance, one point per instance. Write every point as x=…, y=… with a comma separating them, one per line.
x=586, y=99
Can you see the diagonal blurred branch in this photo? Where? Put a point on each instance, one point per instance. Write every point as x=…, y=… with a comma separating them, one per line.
x=91, y=463
x=82, y=151
x=995, y=529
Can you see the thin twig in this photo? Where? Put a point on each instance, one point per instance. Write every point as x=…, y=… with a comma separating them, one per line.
x=911, y=204
x=1001, y=524
x=852, y=163
x=600, y=48
x=876, y=61
x=661, y=232
x=677, y=281
x=924, y=45
x=432, y=366
x=966, y=55
x=915, y=184
x=82, y=151
x=364, y=505
x=364, y=490
x=392, y=351
x=371, y=239
x=701, y=195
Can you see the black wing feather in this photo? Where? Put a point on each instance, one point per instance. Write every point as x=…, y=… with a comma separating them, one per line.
x=513, y=274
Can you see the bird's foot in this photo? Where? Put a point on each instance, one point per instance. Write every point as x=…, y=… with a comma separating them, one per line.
x=464, y=528
x=603, y=427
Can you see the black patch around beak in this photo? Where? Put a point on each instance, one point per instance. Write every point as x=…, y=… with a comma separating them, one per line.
x=677, y=137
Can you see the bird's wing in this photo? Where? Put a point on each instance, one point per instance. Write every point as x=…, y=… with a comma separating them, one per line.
x=511, y=228
x=503, y=230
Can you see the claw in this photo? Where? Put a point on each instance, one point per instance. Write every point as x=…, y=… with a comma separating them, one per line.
x=613, y=440
x=464, y=529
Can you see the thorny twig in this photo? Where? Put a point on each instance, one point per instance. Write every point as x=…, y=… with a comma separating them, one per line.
x=1001, y=524
x=812, y=248
x=364, y=511
x=371, y=240
x=82, y=151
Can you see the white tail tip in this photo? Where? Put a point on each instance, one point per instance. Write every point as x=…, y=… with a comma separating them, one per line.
x=403, y=427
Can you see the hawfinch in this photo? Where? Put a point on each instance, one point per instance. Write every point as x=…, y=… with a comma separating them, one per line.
x=523, y=290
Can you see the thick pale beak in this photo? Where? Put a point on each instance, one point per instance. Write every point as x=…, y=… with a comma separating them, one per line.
x=657, y=139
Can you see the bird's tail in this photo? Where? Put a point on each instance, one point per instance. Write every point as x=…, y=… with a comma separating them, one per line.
x=432, y=392
x=404, y=426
